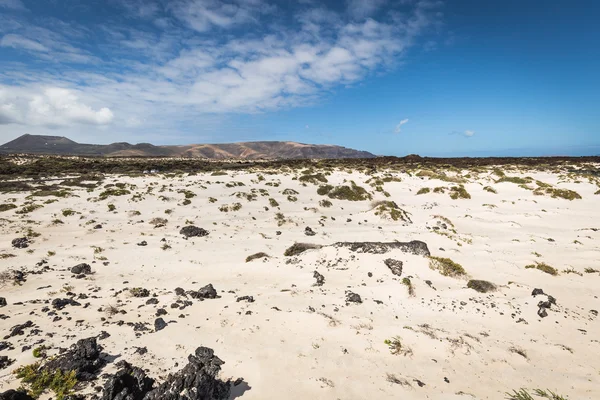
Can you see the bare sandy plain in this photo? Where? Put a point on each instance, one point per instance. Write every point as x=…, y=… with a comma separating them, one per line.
x=355, y=317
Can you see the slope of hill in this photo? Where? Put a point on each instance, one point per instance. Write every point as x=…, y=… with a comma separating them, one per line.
x=58, y=145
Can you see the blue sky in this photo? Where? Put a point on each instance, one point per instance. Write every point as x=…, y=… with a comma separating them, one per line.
x=438, y=78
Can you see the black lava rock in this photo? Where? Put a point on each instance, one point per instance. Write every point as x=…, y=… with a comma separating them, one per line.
x=82, y=268
x=193, y=231
x=159, y=324
x=20, y=243
x=394, y=265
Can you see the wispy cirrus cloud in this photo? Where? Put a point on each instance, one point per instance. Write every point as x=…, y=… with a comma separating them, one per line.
x=13, y=5
x=398, y=128
x=467, y=133
x=189, y=59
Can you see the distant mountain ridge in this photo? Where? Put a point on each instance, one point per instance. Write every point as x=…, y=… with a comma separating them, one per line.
x=59, y=145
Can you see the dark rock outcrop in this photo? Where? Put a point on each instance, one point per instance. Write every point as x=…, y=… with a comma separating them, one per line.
x=206, y=292
x=353, y=298
x=309, y=232
x=159, y=324
x=19, y=329
x=129, y=383
x=193, y=231
x=394, y=265
x=82, y=268
x=320, y=278
x=5, y=362
x=415, y=247
x=83, y=358
x=196, y=381
x=59, y=304
x=481, y=286
x=3, y=302
x=15, y=395
x=20, y=243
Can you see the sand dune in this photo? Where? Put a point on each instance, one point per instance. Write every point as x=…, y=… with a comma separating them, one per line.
x=415, y=333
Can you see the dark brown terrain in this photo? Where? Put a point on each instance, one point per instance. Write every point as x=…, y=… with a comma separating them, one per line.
x=266, y=150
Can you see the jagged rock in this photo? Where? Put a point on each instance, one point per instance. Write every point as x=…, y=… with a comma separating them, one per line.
x=415, y=247
x=129, y=383
x=249, y=299
x=82, y=268
x=139, y=292
x=153, y=300
x=83, y=358
x=481, y=286
x=353, y=298
x=20, y=243
x=159, y=324
x=160, y=311
x=9, y=346
x=196, y=381
x=309, y=232
x=193, y=231
x=320, y=278
x=206, y=292
x=394, y=265
x=19, y=329
x=179, y=291
x=15, y=395
x=59, y=304
x=2, y=302
x=537, y=292
x=5, y=362
x=143, y=243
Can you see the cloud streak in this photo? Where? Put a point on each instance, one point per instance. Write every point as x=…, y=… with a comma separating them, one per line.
x=398, y=128
x=190, y=59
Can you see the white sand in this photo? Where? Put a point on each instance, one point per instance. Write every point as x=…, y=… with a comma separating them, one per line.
x=295, y=353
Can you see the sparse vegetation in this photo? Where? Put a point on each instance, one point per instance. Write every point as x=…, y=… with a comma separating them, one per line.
x=67, y=212
x=459, y=192
x=411, y=289
x=396, y=347
x=230, y=207
x=325, y=203
x=490, y=189
x=590, y=270
x=111, y=207
x=299, y=248
x=543, y=267
x=350, y=193
x=523, y=394
x=389, y=209
x=38, y=380
x=7, y=207
x=273, y=202
x=424, y=190
x=113, y=192
x=255, y=256
x=446, y=267
x=26, y=209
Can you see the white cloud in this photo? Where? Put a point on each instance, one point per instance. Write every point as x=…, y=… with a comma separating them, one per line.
x=469, y=133
x=53, y=107
x=399, y=126
x=364, y=8
x=13, y=5
x=20, y=42
x=196, y=65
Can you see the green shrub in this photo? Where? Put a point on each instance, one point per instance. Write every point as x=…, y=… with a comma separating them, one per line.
x=411, y=290
x=273, y=202
x=351, y=193
x=515, y=179
x=67, y=212
x=313, y=178
x=543, y=267
x=523, y=394
x=490, y=189
x=38, y=381
x=28, y=208
x=459, y=192
x=389, y=209
x=111, y=207
x=325, y=203
x=113, y=192
x=324, y=189
x=7, y=206
x=424, y=190
x=446, y=267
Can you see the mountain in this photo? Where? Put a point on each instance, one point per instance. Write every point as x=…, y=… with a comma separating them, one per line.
x=58, y=145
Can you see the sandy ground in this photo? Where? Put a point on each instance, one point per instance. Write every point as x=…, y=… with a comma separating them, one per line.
x=298, y=340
